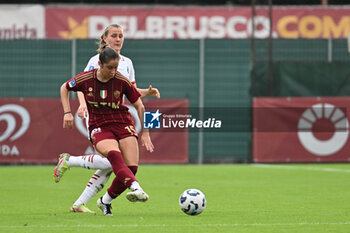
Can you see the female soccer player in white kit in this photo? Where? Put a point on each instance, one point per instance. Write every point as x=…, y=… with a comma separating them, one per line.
x=114, y=37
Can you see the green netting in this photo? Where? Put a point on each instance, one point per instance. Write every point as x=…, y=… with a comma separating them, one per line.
x=33, y=68
x=301, y=68
x=37, y=68
x=304, y=79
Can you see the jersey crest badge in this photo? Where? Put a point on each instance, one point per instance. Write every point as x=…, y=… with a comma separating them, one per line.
x=103, y=94
x=116, y=94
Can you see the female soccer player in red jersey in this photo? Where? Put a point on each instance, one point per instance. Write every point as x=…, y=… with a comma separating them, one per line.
x=110, y=123
x=113, y=36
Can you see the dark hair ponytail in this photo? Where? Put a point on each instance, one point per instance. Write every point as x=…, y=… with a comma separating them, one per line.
x=107, y=54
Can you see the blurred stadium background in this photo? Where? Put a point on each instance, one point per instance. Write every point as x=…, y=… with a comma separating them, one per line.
x=206, y=53
x=281, y=88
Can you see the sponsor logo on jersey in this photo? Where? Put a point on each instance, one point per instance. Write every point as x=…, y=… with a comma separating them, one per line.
x=72, y=83
x=103, y=94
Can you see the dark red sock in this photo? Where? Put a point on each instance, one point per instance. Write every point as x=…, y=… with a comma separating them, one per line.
x=121, y=171
x=117, y=186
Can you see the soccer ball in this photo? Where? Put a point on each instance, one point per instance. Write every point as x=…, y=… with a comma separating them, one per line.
x=192, y=202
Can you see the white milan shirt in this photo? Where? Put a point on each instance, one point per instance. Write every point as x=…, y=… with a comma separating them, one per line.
x=125, y=67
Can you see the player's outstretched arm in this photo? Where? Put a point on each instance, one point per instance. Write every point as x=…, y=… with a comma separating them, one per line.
x=67, y=113
x=145, y=138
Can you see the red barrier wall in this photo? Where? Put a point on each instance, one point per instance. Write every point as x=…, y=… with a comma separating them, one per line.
x=301, y=130
x=31, y=132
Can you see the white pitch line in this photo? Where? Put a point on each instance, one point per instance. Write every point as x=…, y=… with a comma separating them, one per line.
x=182, y=225
x=288, y=167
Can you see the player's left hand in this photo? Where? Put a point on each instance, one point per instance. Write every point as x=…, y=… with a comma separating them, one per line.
x=146, y=141
x=82, y=111
x=153, y=92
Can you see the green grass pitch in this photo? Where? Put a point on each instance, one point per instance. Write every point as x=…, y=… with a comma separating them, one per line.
x=240, y=198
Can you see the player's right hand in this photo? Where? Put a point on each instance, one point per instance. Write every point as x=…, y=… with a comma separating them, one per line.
x=146, y=141
x=68, y=120
x=82, y=111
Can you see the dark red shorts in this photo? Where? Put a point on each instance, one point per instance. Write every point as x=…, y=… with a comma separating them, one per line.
x=112, y=131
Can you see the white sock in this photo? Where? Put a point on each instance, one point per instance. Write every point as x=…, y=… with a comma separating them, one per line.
x=96, y=183
x=106, y=199
x=135, y=186
x=89, y=162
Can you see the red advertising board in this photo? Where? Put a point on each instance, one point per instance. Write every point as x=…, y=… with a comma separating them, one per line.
x=301, y=130
x=197, y=22
x=31, y=132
